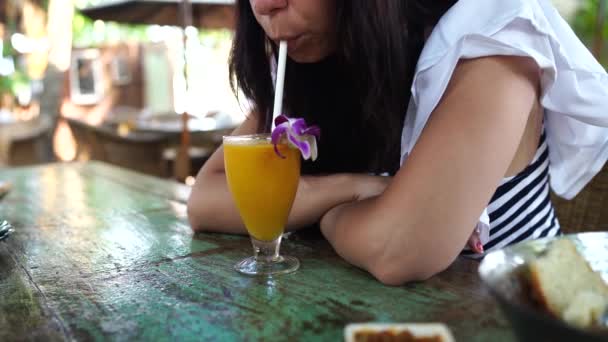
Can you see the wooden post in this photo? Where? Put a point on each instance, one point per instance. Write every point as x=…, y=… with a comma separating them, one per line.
x=59, y=28
x=182, y=159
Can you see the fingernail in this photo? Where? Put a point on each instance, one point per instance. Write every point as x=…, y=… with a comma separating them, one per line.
x=479, y=247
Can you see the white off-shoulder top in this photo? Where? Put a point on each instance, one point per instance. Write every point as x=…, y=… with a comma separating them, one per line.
x=574, y=89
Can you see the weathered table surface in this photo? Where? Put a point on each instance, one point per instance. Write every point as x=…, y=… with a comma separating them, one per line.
x=103, y=253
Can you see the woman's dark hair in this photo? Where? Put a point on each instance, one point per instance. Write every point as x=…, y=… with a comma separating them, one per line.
x=359, y=95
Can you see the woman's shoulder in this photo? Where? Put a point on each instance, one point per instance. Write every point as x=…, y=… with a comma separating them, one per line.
x=474, y=18
x=525, y=28
x=574, y=86
x=472, y=29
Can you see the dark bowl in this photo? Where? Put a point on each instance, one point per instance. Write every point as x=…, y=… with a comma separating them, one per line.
x=503, y=272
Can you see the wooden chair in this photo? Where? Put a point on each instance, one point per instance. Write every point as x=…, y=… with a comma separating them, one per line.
x=28, y=142
x=28, y=150
x=136, y=151
x=588, y=211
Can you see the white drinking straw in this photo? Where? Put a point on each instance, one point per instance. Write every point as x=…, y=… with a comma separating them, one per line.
x=278, y=90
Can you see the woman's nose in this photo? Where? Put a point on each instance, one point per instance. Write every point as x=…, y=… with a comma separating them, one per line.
x=266, y=7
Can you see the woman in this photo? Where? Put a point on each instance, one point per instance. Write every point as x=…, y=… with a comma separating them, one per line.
x=463, y=103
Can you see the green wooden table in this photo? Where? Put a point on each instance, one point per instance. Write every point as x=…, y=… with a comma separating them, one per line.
x=101, y=253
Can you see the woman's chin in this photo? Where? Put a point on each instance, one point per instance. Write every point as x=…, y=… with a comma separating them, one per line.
x=307, y=56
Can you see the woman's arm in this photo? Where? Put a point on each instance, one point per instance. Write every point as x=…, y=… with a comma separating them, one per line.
x=418, y=226
x=211, y=208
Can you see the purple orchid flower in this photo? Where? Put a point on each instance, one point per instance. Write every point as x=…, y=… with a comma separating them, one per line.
x=297, y=134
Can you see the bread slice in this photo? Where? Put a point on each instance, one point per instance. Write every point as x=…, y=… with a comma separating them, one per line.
x=361, y=332
x=585, y=310
x=565, y=285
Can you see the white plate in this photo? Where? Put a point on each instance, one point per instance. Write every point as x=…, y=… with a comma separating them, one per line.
x=417, y=329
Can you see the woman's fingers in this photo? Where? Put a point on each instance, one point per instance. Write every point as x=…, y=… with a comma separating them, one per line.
x=370, y=186
x=475, y=242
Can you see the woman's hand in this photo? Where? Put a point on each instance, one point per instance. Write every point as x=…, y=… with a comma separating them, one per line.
x=366, y=186
x=318, y=194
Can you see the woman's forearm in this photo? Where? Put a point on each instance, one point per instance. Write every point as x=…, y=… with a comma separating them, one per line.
x=366, y=235
x=211, y=207
x=318, y=194
x=354, y=234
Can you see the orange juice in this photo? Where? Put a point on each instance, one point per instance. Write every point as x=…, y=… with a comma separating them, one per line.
x=262, y=184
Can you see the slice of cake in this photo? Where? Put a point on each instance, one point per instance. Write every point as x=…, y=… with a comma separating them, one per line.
x=565, y=285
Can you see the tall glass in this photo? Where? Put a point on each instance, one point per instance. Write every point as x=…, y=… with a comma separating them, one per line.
x=264, y=187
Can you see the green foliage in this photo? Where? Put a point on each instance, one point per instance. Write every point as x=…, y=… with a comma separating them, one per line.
x=584, y=23
x=17, y=81
x=14, y=83
x=87, y=33
x=8, y=50
x=214, y=38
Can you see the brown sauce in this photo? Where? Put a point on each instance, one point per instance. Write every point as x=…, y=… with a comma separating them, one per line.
x=392, y=336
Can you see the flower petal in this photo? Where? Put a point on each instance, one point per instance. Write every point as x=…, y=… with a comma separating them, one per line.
x=298, y=126
x=278, y=132
x=301, y=144
x=280, y=119
x=313, y=147
x=313, y=130
x=278, y=153
x=297, y=134
x=275, y=137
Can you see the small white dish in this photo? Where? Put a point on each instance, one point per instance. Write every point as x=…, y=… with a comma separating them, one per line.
x=418, y=330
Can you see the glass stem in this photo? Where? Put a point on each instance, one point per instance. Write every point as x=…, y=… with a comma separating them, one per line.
x=266, y=251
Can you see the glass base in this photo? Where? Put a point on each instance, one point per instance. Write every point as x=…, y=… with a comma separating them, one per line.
x=266, y=260
x=254, y=267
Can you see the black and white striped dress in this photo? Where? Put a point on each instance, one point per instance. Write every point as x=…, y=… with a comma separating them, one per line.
x=521, y=207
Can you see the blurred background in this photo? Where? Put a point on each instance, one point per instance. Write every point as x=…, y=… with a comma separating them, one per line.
x=137, y=83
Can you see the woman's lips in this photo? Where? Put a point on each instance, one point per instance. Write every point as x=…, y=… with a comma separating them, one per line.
x=292, y=41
